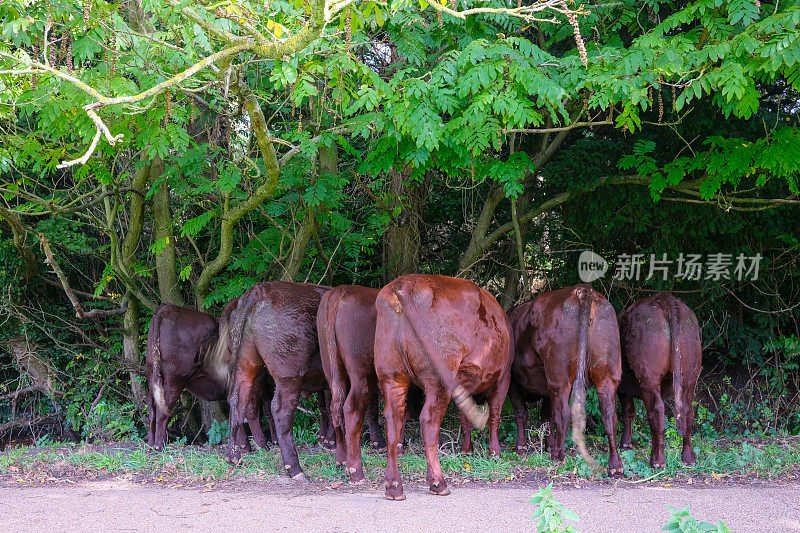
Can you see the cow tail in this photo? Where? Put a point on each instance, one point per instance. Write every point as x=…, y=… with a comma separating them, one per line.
x=461, y=397
x=329, y=351
x=238, y=322
x=671, y=309
x=156, y=390
x=578, y=397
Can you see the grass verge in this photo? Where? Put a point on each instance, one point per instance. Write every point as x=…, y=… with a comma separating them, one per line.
x=717, y=460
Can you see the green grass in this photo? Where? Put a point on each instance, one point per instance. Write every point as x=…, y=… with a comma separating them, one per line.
x=765, y=458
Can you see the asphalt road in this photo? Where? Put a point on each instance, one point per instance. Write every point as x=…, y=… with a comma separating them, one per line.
x=120, y=505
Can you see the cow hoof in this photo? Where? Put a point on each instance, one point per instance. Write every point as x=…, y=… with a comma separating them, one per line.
x=378, y=447
x=444, y=492
x=358, y=481
x=627, y=446
x=233, y=458
x=658, y=465
x=399, y=498
x=615, y=472
x=301, y=477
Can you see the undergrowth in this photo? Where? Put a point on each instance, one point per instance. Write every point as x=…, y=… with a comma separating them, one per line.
x=716, y=459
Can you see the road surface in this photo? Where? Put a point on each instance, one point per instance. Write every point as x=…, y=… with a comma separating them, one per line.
x=123, y=505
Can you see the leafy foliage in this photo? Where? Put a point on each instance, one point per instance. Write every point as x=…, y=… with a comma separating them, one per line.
x=679, y=134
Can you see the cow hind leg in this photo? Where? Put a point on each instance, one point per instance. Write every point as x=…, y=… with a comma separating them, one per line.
x=266, y=404
x=608, y=412
x=628, y=415
x=339, y=394
x=394, y=394
x=375, y=433
x=238, y=400
x=355, y=408
x=496, y=398
x=326, y=436
x=687, y=454
x=559, y=402
x=466, y=433
x=163, y=408
x=548, y=420
x=654, y=404
x=284, y=404
x=151, y=415
x=430, y=421
x=521, y=417
x=254, y=414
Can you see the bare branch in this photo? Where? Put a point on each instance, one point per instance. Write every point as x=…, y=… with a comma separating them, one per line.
x=763, y=203
x=526, y=13
x=102, y=129
x=20, y=392
x=51, y=260
x=572, y=126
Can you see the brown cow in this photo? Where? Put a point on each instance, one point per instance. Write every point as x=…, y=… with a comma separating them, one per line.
x=562, y=337
x=346, y=328
x=275, y=327
x=661, y=358
x=184, y=352
x=449, y=337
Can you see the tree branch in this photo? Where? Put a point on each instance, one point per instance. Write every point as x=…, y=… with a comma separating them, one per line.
x=102, y=129
x=572, y=126
x=526, y=13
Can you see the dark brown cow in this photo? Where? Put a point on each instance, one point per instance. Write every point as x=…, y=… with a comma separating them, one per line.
x=183, y=352
x=661, y=358
x=275, y=327
x=561, y=338
x=449, y=337
x=346, y=328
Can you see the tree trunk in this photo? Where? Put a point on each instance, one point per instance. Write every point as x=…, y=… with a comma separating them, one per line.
x=511, y=282
x=210, y=411
x=130, y=349
x=403, y=237
x=468, y=258
x=166, y=261
x=328, y=161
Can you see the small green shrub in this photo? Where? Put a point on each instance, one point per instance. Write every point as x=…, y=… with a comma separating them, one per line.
x=683, y=522
x=218, y=433
x=550, y=514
